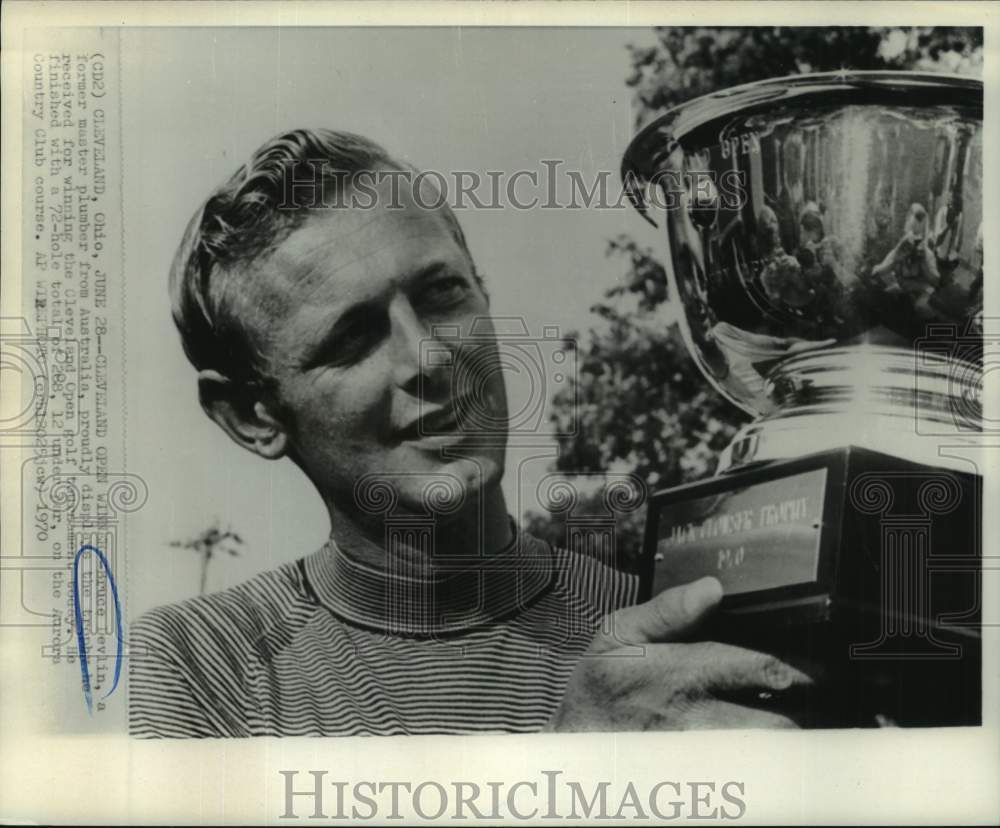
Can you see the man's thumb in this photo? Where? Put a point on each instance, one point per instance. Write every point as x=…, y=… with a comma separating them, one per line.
x=668, y=616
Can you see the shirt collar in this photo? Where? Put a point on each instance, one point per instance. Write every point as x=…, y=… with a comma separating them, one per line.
x=459, y=594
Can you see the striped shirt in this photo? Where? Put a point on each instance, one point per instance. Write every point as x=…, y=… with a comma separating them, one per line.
x=329, y=646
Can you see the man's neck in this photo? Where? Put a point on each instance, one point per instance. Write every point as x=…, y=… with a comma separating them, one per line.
x=482, y=528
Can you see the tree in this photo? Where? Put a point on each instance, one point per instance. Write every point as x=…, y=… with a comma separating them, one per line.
x=685, y=63
x=207, y=545
x=640, y=404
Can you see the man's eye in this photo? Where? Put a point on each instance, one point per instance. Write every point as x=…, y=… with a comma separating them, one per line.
x=448, y=291
x=354, y=340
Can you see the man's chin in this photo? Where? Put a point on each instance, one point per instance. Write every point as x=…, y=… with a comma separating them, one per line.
x=444, y=482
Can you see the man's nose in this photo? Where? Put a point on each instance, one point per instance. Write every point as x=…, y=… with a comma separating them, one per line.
x=418, y=366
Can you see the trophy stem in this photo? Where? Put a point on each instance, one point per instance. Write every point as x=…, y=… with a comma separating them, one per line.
x=909, y=403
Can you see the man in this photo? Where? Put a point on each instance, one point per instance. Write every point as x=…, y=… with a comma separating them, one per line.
x=306, y=309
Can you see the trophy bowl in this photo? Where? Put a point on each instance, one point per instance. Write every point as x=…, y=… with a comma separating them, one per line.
x=826, y=245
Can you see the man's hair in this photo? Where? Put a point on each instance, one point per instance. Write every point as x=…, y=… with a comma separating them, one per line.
x=246, y=219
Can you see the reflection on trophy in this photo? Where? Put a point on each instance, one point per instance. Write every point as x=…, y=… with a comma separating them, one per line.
x=820, y=245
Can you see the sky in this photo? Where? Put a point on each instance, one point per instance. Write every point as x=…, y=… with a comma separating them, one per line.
x=197, y=102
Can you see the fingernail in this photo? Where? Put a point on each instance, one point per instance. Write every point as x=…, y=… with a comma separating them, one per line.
x=701, y=595
x=779, y=678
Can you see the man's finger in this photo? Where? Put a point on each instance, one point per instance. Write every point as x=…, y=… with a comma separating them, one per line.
x=668, y=616
x=727, y=669
x=720, y=715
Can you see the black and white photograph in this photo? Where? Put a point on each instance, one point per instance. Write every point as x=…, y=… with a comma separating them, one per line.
x=382, y=401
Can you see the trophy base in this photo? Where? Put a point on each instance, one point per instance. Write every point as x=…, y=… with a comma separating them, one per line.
x=863, y=563
x=915, y=689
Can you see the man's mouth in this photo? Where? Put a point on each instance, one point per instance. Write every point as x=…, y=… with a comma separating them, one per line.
x=441, y=422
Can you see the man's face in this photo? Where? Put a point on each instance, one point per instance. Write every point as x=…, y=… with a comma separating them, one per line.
x=353, y=298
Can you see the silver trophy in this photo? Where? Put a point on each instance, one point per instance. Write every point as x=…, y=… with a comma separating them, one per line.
x=826, y=243
x=825, y=238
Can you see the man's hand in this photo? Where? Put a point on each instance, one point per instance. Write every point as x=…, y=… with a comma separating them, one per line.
x=672, y=686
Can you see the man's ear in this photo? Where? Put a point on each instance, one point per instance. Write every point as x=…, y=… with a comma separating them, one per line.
x=239, y=411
